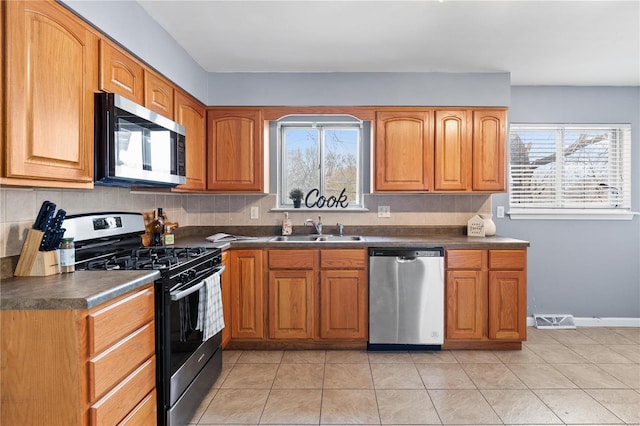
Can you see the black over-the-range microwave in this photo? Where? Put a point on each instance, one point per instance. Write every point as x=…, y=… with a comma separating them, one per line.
x=135, y=146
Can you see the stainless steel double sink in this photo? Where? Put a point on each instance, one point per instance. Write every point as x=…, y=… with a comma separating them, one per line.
x=317, y=238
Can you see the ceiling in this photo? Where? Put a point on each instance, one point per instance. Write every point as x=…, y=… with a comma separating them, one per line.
x=538, y=42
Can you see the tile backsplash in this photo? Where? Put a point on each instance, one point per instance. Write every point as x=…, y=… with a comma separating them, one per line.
x=19, y=207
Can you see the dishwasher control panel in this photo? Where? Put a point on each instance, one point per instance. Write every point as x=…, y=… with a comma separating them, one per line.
x=407, y=252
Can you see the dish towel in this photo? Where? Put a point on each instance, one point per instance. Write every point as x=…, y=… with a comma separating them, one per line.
x=210, y=316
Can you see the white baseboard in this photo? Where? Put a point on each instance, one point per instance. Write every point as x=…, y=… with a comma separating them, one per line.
x=598, y=322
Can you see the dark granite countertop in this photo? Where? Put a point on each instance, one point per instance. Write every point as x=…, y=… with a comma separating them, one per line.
x=446, y=241
x=85, y=289
x=78, y=290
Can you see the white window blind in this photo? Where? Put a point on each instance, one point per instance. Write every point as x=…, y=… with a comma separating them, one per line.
x=570, y=167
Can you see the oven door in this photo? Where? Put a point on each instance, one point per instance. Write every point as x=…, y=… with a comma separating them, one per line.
x=187, y=350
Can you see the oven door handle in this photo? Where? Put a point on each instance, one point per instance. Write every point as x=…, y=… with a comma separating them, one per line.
x=183, y=293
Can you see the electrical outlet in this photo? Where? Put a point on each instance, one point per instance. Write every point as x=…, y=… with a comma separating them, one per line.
x=500, y=211
x=255, y=212
x=384, y=211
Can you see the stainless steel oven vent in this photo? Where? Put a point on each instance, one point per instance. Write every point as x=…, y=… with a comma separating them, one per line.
x=554, y=322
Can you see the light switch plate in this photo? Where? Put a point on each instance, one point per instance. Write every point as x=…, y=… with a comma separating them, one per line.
x=255, y=212
x=500, y=211
x=384, y=211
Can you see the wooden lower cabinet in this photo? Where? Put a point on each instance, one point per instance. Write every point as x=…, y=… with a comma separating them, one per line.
x=80, y=367
x=486, y=300
x=247, y=294
x=292, y=296
x=466, y=306
x=291, y=304
x=313, y=298
x=343, y=304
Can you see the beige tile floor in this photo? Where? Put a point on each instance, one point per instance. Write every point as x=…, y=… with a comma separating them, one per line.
x=584, y=376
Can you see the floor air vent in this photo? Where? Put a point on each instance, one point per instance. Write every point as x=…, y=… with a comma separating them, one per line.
x=554, y=322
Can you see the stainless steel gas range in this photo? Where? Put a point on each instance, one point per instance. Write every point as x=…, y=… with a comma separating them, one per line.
x=188, y=339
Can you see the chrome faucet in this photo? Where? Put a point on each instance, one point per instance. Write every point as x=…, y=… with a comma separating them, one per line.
x=317, y=226
x=340, y=229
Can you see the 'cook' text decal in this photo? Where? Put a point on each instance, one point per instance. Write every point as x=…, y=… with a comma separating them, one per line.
x=314, y=199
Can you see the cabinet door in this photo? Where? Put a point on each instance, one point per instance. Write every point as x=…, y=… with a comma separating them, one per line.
x=120, y=73
x=49, y=113
x=452, y=151
x=403, y=151
x=158, y=94
x=507, y=305
x=235, y=152
x=225, y=281
x=489, y=141
x=192, y=115
x=247, y=294
x=291, y=304
x=343, y=304
x=466, y=307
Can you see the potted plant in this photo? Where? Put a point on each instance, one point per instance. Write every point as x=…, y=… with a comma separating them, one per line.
x=296, y=195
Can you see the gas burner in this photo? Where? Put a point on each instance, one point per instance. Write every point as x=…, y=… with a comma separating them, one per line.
x=156, y=257
x=109, y=264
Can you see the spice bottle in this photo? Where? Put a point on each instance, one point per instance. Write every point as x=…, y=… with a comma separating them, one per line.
x=67, y=255
x=157, y=227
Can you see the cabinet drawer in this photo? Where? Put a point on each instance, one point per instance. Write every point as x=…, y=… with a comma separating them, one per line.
x=507, y=259
x=144, y=414
x=343, y=258
x=111, y=323
x=113, y=365
x=292, y=259
x=118, y=403
x=465, y=259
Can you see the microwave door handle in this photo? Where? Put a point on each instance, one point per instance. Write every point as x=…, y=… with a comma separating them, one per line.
x=181, y=294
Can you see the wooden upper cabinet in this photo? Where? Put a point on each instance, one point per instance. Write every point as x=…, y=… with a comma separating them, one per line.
x=50, y=75
x=192, y=115
x=452, y=150
x=158, y=94
x=403, y=151
x=489, y=147
x=457, y=150
x=235, y=151
x=120, y=73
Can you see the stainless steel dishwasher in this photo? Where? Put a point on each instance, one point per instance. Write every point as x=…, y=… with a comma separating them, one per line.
x=406, y=298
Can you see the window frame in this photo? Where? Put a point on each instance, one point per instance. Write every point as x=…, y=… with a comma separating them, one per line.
x=574, y=212
x=331, y=121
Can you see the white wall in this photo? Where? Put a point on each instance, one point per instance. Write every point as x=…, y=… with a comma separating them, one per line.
x=129, y=24
x=585, y=268
x=355, y=89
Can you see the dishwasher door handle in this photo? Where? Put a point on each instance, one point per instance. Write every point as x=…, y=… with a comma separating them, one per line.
x=404, y=259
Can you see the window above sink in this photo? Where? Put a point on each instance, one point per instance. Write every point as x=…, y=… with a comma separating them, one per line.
x=323, y=156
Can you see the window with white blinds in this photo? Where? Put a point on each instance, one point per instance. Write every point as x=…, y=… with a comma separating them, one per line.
x=577, y=168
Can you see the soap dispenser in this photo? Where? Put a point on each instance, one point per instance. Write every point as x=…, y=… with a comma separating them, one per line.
x=287, y=228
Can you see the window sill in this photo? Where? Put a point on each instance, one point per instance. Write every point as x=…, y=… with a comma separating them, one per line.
x=324, y=210
x=571, y=214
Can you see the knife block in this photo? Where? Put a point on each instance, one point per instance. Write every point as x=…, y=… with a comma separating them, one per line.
x=34, y=262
